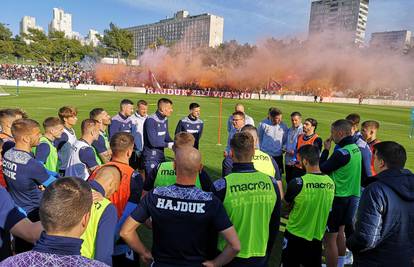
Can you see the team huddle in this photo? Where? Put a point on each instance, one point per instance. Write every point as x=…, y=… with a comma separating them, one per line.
x=69, y=201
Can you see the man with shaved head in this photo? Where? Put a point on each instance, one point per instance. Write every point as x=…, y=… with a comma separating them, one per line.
x=99, y=236
x=188, y=160
x=166, y=175
x=183, y=219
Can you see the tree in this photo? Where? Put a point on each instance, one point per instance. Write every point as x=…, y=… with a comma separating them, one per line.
x=229, y=54
x=6, y=43
x=6, y=48
x=118, y=42
x=5, y=33
x=35, y=35
x=64, y=49
x=159, y=42
x=21, y=49
x=40, y=45
x=56, y=35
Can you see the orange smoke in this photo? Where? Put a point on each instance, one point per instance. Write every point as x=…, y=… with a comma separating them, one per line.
x=303, y=67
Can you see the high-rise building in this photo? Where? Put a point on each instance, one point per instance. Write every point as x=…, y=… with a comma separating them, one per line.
x=344, y=21
x=92, y=38
x=61, y=22
x=394, y=40
x=27, y=23
x=188, y=32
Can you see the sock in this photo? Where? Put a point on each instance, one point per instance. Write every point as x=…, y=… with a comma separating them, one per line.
x=341, y=261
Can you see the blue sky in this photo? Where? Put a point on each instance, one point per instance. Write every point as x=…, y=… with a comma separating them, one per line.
x=244, y=20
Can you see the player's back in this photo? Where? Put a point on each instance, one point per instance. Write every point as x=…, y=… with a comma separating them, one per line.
x=20, y=169
x=75, y=166
x=183, y=220
x=64, y=149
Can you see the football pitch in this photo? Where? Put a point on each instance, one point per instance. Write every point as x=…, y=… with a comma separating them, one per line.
x=40, y=103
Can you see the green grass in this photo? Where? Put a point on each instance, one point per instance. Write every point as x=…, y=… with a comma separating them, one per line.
x=41, y=103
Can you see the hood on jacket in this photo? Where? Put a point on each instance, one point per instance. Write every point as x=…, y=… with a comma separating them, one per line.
x=400, y=181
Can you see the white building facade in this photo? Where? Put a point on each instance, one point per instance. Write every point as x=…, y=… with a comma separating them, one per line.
x=27, y=23
x=187, y=32
x=344, y=20
x=92, y=38
x=394, y=40
x=61, y=22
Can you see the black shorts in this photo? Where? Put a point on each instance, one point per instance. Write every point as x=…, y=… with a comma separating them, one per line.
x=5, y=245
x=299, y=251
x=288, y=170
x=279, y=161
x=136, y=162
x=132, y=260
x=342, y=212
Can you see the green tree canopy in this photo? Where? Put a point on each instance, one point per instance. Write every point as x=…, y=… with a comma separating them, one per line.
x=118, y=42
x=6, y=43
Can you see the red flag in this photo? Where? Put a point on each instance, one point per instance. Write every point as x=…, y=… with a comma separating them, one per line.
x=153, y=80
x=274, y=86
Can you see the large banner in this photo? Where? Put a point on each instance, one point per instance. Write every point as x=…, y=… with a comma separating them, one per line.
x=207, y=93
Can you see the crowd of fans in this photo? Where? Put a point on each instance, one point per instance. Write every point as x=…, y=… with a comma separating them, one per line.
x=71, y=73
x=75, y=73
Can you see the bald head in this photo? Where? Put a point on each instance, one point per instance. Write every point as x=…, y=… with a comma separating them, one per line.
x=109, y=177
x=239, y=107
x=187, y=163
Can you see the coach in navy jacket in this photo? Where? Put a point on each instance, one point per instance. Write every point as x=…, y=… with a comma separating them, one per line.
x=156, y=136
x=122, y=121
x=384, y=230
